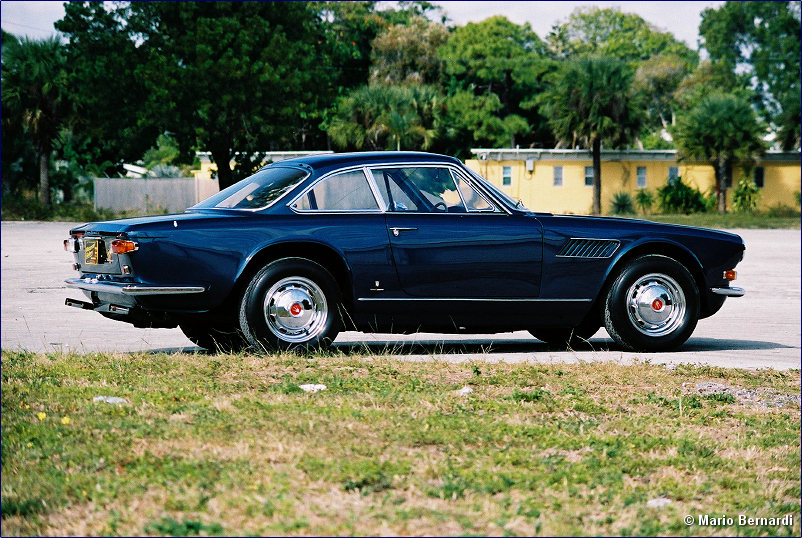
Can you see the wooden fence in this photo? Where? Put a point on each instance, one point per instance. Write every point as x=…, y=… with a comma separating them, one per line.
x=152, y=195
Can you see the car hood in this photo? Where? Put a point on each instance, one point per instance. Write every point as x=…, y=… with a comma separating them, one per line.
x=594, y=222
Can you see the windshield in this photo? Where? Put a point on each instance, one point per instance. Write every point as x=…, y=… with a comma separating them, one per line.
x=498, y=192
x=257, y=191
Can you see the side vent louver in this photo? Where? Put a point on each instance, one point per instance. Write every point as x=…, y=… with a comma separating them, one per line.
x=588, y=248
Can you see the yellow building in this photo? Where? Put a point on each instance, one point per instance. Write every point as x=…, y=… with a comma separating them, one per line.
x=561, y=181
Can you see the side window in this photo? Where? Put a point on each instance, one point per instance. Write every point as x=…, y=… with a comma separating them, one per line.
x=558, y=176
x=760, y=176
x=389, y=189
x=474, y=201
x=347, y=191
x=673, y=174
x=423, y=189
x=641, y=177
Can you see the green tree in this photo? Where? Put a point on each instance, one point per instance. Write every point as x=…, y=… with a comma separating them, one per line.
x=497, y=59
x=721, y=129
x=35, y=96
x=107, y=81
x=656, y=81
x=386, y=117
x=406, y=53
x=591, y=101
x=610, y=33
x=761, y=41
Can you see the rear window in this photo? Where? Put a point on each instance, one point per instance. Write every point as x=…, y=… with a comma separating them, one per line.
x=257, y=191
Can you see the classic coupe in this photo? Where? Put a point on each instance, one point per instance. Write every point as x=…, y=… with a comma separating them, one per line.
x=397, y=242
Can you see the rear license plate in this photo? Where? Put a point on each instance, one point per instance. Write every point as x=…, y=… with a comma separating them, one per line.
x=95, y=251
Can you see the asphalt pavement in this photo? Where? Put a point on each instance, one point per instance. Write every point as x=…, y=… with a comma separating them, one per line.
x=759, y=330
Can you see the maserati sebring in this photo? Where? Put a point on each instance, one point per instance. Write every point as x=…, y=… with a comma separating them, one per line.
x=397, y=242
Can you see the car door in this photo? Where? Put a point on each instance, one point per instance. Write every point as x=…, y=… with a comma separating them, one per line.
x=448, y=240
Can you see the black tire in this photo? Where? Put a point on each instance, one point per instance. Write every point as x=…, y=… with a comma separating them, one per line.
x=565, y=337
x=652, y=305
x=215, y=338
x=291, y=303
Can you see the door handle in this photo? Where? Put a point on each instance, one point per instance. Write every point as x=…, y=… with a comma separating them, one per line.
x=398, y=229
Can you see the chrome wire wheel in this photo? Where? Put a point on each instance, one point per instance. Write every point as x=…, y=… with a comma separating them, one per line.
x=656, y=304
x=295, y=309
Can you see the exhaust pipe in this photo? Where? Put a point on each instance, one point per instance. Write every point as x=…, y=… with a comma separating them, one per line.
x=79, y=304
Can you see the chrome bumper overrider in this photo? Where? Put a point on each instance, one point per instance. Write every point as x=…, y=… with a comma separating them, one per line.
x=729, y=292
x=91, y=284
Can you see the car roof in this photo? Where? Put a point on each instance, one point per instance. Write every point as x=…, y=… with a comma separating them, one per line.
x=330, y=160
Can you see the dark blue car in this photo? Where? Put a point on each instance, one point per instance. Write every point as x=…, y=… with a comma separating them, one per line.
x=397, y=242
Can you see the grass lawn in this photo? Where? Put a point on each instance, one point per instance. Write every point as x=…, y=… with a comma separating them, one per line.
x=229, y=444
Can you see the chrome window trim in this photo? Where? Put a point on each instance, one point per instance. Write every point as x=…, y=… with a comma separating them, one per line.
x=367, y=168
x=271, y=204
x=451, y=167
x=324, y=177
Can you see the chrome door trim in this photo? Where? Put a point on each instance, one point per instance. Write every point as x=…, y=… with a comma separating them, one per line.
x=474, y=299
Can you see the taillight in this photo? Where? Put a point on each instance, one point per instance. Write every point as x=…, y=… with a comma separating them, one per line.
x=72, y=245
x=123, y=246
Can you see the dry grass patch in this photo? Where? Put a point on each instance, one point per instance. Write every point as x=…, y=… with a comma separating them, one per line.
x=228, y=444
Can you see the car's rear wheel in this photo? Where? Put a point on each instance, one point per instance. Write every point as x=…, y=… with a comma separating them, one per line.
x=292, y=303
x=653, y=305
x=215, y=338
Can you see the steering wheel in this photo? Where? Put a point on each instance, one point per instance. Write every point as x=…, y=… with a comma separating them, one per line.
x=441, y=206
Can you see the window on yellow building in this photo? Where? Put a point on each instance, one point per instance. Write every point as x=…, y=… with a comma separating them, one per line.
x=641, y=177
x=760, y=176
x=506, y=175
x=588, y=176
x=673, y=174
x=558, y=176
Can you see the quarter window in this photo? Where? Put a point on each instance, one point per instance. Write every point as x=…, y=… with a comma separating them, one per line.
x=558, y=176
x=760, y=176
x=506, y=175
x=588, y=176
x=347, y=191
x=641, y=177
x=474, y=201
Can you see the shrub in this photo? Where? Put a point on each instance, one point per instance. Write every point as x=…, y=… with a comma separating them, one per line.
x=797, y=196
x=621, y=204
x=782, y=210
x=678, y=197
x=746, y=196
x=644, y=200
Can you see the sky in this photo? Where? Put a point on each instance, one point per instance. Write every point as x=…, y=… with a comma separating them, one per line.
x=36, y=19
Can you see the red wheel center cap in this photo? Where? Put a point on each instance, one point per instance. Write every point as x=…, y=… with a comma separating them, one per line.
x=657, y=305
x=296, y=309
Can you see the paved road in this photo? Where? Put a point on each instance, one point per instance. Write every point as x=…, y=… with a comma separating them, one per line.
x=759, y=330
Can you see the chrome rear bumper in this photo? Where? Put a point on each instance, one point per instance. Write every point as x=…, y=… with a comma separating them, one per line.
x=728, y=292
x=92, y=284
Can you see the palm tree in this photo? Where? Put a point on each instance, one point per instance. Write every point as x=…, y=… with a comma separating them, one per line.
x=721, y=129
x=34, y=89
x=591, y=101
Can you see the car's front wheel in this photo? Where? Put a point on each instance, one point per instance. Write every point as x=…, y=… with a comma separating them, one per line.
x=653, y=304
x=292, y=303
